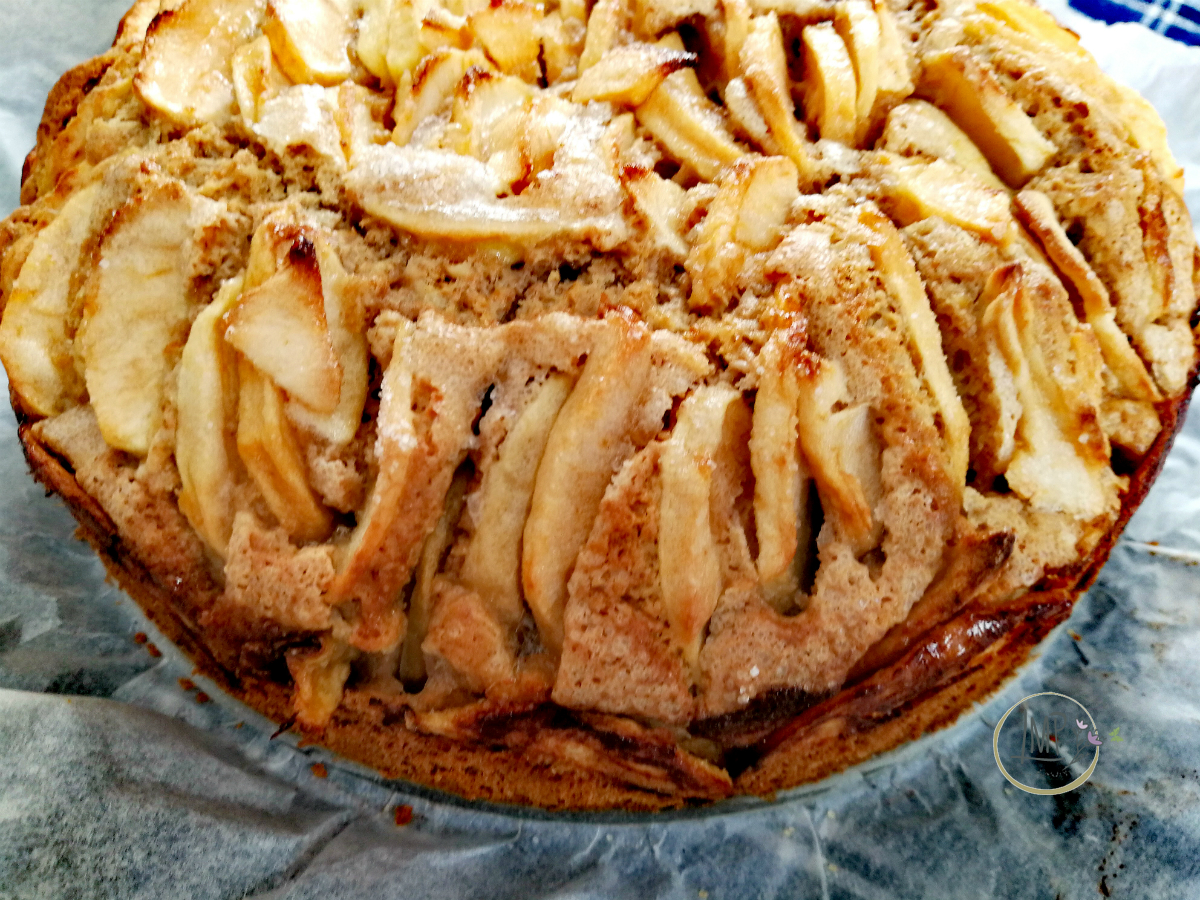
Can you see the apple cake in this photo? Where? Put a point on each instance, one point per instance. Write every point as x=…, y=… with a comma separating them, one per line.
x=611, y=405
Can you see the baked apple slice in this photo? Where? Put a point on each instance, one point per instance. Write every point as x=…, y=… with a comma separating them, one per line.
x=34, y=344
x=137, y=308
x=186, y=72
x=310, y=39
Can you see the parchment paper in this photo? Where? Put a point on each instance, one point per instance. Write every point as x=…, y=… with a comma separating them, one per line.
x=117, y=782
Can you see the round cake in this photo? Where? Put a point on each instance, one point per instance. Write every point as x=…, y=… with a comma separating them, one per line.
x=613, y=405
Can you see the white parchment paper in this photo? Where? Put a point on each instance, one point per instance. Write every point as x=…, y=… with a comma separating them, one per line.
x=116, y=782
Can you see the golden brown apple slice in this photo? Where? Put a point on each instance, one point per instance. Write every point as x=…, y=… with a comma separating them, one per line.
x=858, y=27
x=342, y=316
x=1037, y=213
x=205, y=430
x=280, y=327
x=689, y=126
x=186, y=72
x=919, y=127
x=970, y=94
x=320, y=681
x=921, y=190
x=1046, y=468
x=256, y=77
x=420, y=601
x=840, y=451
x=371, y=44
x=737, y=28
x=689, y=560
x=310, y=39
x=829, y=86
x=442, y=28
x=629, y=73
x=748, y=213
x=895, y=79
x=904, y=285
x=764, y=68
x=433, y=83
x=492, y=567
x=562, y=45
x=607, y=20
x=267, y=447
x=664, y=205
x=396, y=445
x=587, y=442
x=34, y=345
x=404, y=50
x=359, y=116
x=1032, y=20
x=137, y=310
x=780, y=476
x=494, y=111
x=745, y=115
x=509, y=31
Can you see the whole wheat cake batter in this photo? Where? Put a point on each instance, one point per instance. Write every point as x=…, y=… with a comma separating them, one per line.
x=612, y=405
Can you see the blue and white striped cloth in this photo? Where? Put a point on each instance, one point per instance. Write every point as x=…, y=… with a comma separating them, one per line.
x=1176, y=19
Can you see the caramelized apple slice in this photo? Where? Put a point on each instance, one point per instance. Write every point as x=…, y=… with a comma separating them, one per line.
x=840, y=450
x=186, y=72
x=748, y=213
x=974, y=99
x=268, y=448
x=585, y=445
x=780, y=476
x=605, y=23
x=829, y=86
x=494, y=111
x=492, y=567
x=689, y=560
x=764, y=67
x=404, y=50
x=371, y=45
x=1049, y=470
x=895, y=79
x=629, y=73
x=745, y=115
x=1037, y=212
x=395, y=447
x=562, y=45
x=420, y=601
x=1034, y=21
x=904, y=285
x=137, y=310
x=256, y=77
x=919, y=127
x=320, y=681
x=858, y=27
x=509, y=31
x=664, y=205
x=737, y=28
x=205, y=430
x=310, y=39
x=34, y=344
x=689, y=126
x=442, y=28
x=433, y=83
x=342, y=317
x=280, y=327
x=920, y=190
